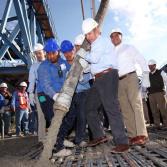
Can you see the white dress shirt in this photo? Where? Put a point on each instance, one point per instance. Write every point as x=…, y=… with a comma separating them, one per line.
x=128, y=56
x=164, y=76
x=33, y=76
x=102, y=55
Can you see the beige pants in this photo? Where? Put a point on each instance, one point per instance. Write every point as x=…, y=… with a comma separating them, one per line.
x=158, y=103
x=131, y=106
x=41, y=121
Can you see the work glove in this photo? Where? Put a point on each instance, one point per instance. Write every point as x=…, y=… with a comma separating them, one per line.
x=32, y=99
x=55, y=96
x=145, y=79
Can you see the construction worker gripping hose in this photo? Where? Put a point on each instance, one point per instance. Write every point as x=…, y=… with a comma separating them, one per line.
x=51, y=76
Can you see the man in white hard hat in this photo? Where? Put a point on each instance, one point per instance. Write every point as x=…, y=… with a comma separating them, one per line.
x=104, y=90
x=5, y=110
x=33, y=78
x=129, y=94
x=21, y=106
x=32, y=90
x=157, y=94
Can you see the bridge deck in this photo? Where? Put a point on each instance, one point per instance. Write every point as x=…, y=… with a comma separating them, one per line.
x=44, y=18
x=152, y=155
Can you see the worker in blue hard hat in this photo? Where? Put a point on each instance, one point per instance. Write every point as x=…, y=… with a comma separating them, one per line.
x=77, y=109
x=51, y=77
x=67, y=49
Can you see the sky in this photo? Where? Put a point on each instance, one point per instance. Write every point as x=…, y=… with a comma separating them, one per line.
x=143, y=23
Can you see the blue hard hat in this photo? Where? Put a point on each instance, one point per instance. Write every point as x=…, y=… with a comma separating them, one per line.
x=66, y=46
x=51, y=45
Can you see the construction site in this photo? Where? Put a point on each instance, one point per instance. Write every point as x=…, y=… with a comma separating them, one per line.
x=32, y=22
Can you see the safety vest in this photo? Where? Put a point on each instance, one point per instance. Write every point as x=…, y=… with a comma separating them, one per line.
x=23, y=100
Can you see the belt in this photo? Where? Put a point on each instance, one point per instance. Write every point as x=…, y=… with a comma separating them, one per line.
x=124, y=76
x=103, y=72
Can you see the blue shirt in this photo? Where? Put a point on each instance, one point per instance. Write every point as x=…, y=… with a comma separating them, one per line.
x=51, y=76
x=84, y=83
x=102, y=55
x=33, y=78
x=2, y=101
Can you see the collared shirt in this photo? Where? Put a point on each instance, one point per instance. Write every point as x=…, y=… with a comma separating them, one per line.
x=51, y=76
x=33, y=78
x=83, y=84
x=128, y=57
x=102, y=55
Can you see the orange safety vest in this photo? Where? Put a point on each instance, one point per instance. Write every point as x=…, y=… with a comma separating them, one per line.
x=23, y=97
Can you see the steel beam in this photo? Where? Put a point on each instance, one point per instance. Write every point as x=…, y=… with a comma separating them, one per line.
x=25, y=33
x=33, y=27
x=26, y=17
x=5, y=15
x=13, y=47
x=13, y=70
x=39, y=34
x=29, y=30
x=10, y=19
x=11, y=38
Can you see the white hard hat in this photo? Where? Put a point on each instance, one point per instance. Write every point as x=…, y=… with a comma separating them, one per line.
x=23, y=84
x=38, y=47
x=118, y=30
x=3, y=85
x=88, y=25
x=152, y=62
x=79, y=39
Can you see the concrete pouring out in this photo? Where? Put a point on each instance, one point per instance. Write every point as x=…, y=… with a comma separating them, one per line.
x=81, y=104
